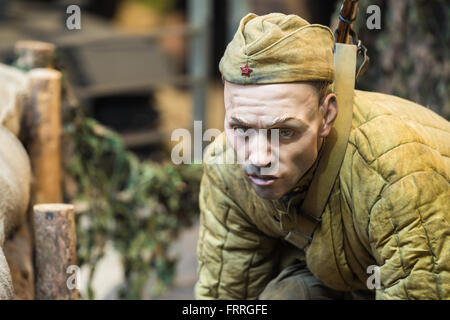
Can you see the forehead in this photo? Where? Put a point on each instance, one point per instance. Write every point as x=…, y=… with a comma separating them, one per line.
x=269, y=101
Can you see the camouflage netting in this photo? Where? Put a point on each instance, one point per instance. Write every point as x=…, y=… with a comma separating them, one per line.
x=409, y=55
x=138, y=206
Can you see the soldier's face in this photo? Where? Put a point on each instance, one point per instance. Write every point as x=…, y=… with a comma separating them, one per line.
x=273, y=165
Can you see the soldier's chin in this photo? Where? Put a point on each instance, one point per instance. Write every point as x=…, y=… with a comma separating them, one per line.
x=267, y=193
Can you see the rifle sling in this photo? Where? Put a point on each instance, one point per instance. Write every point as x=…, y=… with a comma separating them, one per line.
x=309, y=215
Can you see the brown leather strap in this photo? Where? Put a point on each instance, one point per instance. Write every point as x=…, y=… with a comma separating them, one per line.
x=331, y=159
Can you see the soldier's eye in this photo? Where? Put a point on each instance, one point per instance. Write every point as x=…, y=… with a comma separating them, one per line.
x=286, y=133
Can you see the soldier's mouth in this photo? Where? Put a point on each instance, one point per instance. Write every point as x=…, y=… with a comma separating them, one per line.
x=262, y=180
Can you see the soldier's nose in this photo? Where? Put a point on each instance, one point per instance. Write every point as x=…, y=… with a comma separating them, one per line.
x=260, y=158
x=259, y=153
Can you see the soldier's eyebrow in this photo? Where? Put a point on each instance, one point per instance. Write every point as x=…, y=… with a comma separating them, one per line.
x=285, y=121
x=237, y=121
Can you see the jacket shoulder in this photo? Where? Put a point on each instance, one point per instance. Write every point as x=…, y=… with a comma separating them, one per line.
x=389, y=131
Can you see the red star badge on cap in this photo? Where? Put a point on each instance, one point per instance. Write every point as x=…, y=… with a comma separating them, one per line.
x=246, y=71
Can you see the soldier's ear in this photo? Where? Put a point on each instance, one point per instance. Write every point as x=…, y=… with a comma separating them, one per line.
x=329, y=111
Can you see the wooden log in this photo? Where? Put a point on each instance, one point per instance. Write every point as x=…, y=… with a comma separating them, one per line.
x=34, y=54
x=55, y=251
x=44, y=149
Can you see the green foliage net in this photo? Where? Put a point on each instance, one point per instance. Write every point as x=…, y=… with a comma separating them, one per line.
x=138, y=206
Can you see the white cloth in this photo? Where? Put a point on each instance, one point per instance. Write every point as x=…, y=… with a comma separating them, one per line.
x=6, y=288
x=15, y=176
x=15, y=171
x=13, y=91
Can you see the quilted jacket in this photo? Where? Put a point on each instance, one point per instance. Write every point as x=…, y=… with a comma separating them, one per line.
x=389, y=207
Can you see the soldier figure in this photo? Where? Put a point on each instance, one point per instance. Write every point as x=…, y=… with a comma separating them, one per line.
x=385, y=214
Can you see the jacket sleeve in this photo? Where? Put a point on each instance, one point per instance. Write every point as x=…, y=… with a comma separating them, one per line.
x=235, y=258
x=409, y=232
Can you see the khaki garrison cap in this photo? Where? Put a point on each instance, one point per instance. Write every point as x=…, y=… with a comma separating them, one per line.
x=278, y=48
